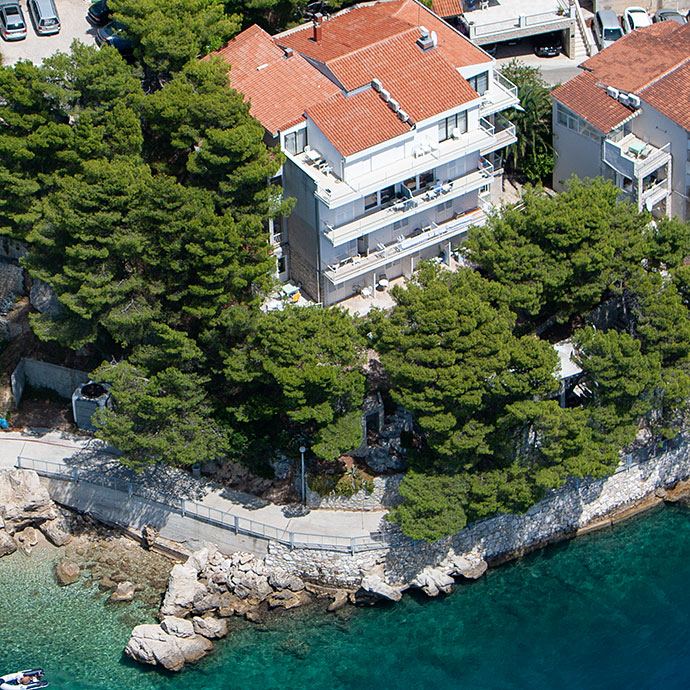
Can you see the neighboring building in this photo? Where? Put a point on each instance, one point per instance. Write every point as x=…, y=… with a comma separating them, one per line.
x=627, y=118
x=390, y=122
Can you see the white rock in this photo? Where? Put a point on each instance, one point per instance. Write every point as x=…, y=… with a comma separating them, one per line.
x=150, y=644
x=183, y=590
x=373, y=582
x=210, y=628
x=432, y=581
x=179, y=627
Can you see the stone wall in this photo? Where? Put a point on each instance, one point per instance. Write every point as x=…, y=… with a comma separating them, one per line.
x=385, y=495
x=578, y=504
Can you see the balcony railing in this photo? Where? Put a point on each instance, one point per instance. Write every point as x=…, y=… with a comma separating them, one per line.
x=406, y=207
x=506, y=28
x=356, y=266
x=634, y=158
x=502, y=94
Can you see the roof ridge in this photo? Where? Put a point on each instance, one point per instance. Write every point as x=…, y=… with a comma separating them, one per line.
x=664, y=74
x=362, y=49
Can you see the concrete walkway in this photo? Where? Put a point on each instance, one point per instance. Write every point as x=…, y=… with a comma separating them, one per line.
x=162, y=485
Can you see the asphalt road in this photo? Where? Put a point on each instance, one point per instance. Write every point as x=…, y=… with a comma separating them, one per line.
x=35, y=48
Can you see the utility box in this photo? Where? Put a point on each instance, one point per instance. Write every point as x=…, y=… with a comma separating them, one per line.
x=86, y=399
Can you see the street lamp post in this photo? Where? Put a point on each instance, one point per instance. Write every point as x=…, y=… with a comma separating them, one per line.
x=302, y=450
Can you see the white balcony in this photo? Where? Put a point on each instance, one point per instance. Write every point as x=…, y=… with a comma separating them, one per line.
x=634, y=158
x=335, y=192
x=405, y=208
x=356, y=266
x=502, y=94
x=504, y=134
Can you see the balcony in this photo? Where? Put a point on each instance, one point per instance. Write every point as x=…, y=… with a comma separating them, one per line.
x=405, y=208
x=503, y=132
x=634, y=158
x=501, y=95
x=335, y=192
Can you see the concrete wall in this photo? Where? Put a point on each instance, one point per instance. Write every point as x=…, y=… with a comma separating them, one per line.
x=44, y=375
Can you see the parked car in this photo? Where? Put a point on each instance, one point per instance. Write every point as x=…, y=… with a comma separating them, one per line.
x=99, y=13
x=548, y=45
x=44, y=16
x=606, y=28
x=635, y=18
x=12, y=24
x=664, y=15
x=114, y=34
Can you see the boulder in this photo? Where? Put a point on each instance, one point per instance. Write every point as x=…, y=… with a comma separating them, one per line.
x=228, y=604
x=199, y=559
x=123, y=592
x=23, y=500
x=470, y=565
x=209, y=602
x=180, y=627
x=374, y=583
x=432, y=581
x=66, y=572
x=183, y=590
x=150, y=644
x=7, y=544
x=281, y=579
x=381, y=459
x=249, y=584
x=56, y=531
x=43, y=298
x=211, y=628
x=106, y=583
x=288, y=600
x=28, y=536
x=149, y=534
x=340, y=599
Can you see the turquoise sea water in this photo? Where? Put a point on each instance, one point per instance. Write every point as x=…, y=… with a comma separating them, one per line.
x=611, y=610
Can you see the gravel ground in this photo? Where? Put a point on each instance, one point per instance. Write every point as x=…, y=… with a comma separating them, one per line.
x=36, y=48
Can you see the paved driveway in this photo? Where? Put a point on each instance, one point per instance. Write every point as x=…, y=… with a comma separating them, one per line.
x=35, y=48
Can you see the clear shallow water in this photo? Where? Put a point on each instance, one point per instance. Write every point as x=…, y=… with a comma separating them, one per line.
x=611, y=610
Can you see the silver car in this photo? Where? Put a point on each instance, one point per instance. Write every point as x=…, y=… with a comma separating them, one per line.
x=606, y=28
x=12, y=24
x=44, y=16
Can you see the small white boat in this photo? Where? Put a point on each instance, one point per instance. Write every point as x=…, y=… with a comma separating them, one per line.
x=31, y=679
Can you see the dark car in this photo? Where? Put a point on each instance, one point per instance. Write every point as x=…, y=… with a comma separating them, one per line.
x=665, y=15
x=114, y=34
x=12, y=24
x=548, y=45
x=98, y=13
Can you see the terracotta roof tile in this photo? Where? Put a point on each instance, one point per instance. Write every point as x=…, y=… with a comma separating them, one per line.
x=670, y=95
x=640, y=57
x=447, y=8
x=361, y=26
x=584, y=96
x=354, y=123
x=278, y=88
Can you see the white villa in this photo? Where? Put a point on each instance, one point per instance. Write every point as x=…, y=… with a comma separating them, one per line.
x=392, y=128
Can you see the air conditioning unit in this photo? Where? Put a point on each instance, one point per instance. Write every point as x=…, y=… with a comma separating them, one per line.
x=623, y=98
x=394, y=105
x=385, y=95
x=403, y=116
x=633, y=100
x=612, y=92
x=456, y=133
x=424, y=31
x=376, y=85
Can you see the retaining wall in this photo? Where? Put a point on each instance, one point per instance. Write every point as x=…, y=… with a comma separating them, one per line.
x=574, y=507
x=62, y=380
x=385, y=495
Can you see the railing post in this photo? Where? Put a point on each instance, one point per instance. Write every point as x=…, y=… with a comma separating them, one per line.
x=352, y=545
x=237, y=524
x=292, y=541
x=75, y=475
x=129, y=489
x=182, y=507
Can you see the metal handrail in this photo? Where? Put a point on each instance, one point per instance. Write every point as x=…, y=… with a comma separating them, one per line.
x=214, y=516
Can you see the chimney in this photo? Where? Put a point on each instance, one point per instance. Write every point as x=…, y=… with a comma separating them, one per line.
x=318, y=18
x=288, y=52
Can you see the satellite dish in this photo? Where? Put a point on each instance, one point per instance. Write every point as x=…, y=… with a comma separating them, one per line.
x=434, y=38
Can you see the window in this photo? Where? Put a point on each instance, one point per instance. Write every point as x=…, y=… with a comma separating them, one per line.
x=296, y=142
x=426, y=179
x=371, y=200
x=281, y=264
x=567, y=118
x=387, y=194
x=480, y=83
x=411, y=184
x=400, y=224
x=447, y=126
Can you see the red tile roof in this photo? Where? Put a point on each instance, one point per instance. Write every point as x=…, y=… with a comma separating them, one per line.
x=586, y=97
x=347, y=121
x=640, y=57
x=278, y=88
x=670, y=95
x=424, y=84
x=447, y=8
x=363, y=25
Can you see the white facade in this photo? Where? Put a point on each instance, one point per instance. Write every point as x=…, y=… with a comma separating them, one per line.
x=364, y=219
x=645, y=156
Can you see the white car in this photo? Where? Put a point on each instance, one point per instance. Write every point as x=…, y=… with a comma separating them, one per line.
x=635, y=18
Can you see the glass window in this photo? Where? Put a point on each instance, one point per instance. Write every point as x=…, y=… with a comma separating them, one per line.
x=411, y=184
x=480, y=83
x=427, y=178
x=387, y=194
x=371, y=200
x=296, y=142
x=447, y=126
